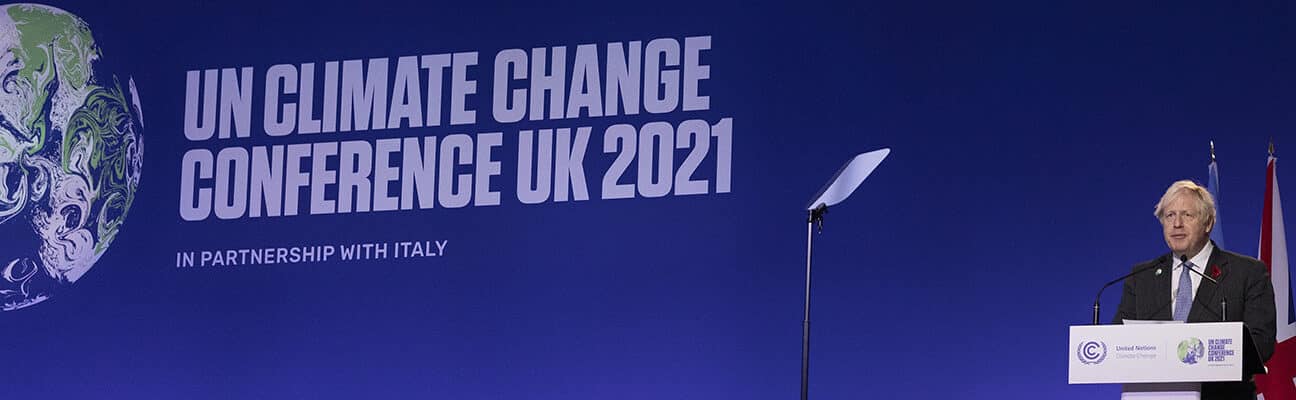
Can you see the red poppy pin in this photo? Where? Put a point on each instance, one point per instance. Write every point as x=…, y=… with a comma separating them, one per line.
x=1215, y=271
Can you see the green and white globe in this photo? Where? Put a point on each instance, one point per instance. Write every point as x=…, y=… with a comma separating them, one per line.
x=70, y=153
x=1191, y=350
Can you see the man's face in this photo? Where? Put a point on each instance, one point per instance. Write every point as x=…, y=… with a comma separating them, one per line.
x=1185, y=225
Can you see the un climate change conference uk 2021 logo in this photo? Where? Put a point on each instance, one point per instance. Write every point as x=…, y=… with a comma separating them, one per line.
x=70, y=152
x=1191, y=350
x=1091, y=352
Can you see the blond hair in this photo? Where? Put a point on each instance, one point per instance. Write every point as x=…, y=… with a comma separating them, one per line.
x=1206, y=203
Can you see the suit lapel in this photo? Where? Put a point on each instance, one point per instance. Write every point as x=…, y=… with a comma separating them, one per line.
x=1206, y=301
x=1161, y=298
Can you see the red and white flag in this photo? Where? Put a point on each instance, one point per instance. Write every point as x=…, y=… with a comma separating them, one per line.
x=1279, y=383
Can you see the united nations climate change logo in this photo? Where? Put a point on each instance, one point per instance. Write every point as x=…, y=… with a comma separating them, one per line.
x=1091, y=352
x=70, y=152
x=1191, y=350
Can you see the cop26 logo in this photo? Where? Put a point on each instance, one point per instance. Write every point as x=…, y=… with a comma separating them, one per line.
x=70, y=152
x=1091, y=352
x=1191, y=350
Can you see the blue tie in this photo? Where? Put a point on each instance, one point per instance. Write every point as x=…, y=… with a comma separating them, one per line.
x=1183, y=298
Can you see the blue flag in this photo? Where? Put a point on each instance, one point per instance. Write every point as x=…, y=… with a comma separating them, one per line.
x=1212, y=185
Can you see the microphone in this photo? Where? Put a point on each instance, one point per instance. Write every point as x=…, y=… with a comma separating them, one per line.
x=1223, y=296
x=1097, y=298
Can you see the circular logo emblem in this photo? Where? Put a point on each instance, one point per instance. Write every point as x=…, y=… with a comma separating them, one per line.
x=1091, y=352
x=70, y=152
x=1191, y=350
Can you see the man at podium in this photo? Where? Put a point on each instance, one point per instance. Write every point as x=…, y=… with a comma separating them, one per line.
x=1175, y=286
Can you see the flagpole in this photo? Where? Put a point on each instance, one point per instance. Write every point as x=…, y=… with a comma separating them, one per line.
x=1213, y=186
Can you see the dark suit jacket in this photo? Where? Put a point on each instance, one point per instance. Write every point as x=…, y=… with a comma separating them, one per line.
x=1243, y=279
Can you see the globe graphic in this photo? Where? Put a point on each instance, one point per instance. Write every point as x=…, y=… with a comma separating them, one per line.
x=1191, y=350
x=70, y=153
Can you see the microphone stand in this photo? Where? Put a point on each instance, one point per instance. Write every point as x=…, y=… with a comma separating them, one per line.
x=1098, y=297
x=816, y=217
x=1223, y=296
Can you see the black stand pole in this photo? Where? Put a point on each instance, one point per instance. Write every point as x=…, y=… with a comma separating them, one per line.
x=816, y=217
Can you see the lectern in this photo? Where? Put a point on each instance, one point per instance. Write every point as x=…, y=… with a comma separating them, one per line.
x=1162, y=361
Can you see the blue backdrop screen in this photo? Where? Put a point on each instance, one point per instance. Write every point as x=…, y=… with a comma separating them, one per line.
x=580, y=201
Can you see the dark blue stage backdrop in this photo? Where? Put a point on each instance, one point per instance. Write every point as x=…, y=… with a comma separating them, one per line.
x=265, y=199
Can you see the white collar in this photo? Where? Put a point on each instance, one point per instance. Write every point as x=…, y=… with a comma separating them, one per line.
x=1201, y=259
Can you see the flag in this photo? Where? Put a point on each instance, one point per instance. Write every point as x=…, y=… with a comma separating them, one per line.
x=1212, y=185
x=1278, y=383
